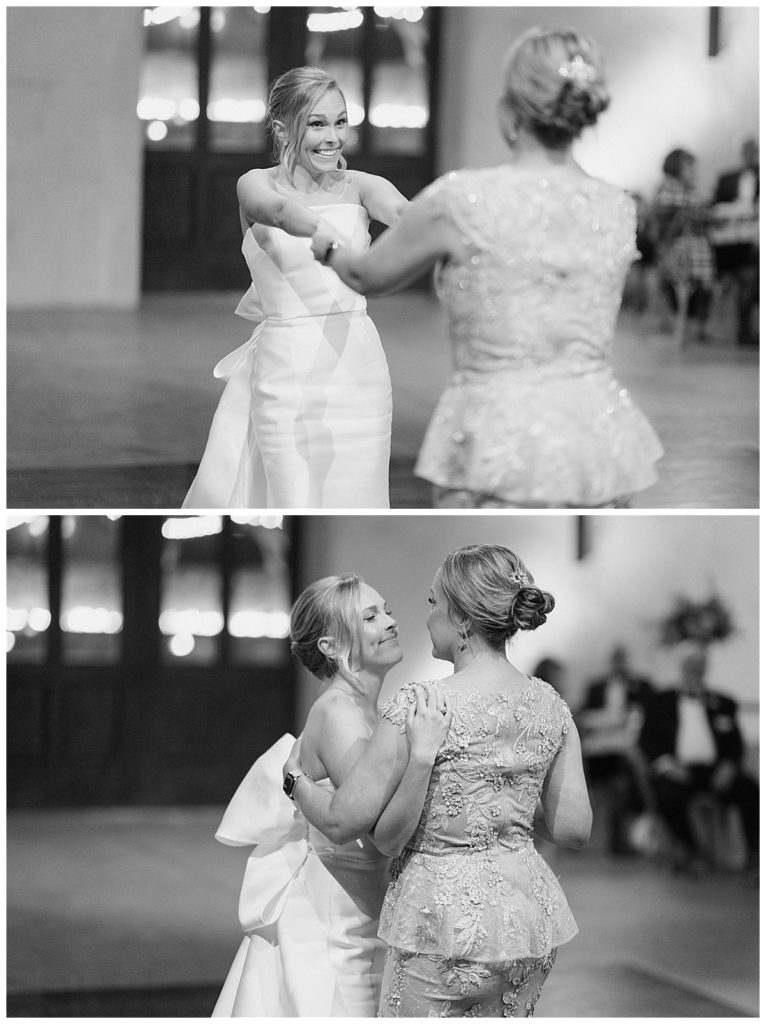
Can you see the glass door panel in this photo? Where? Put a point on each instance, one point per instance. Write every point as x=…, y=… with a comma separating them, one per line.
x=28, y=615
x=239, y=78
x=335, y=43
x=399, y=105
x=168, y=104
x=91, y=591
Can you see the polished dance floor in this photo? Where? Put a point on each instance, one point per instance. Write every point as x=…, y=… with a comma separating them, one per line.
x=111, y=409
x=133, y=912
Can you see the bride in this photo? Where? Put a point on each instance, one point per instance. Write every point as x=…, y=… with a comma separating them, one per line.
x=309, y=907
x=305, y=418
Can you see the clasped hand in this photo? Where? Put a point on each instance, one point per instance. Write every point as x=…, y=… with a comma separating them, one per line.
x=428, y=720
x=324, y=235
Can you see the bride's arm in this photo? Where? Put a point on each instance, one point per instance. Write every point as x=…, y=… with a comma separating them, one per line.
x=261, y=204
x=402, y=254
x=382, y=200
x=427, y=726
x=356, y=805
x=387, y=785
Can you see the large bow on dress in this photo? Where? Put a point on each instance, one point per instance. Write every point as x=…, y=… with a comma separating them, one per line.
x=260, y=815
x=231, y=463
x=282, y=966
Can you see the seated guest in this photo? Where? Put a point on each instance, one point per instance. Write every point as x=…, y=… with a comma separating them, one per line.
x=735, y=236
x=610, y=722
x=693, y=744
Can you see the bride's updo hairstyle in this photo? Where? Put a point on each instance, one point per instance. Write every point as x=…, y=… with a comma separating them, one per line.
x=490, y=587
x=331, y=607
x=554, y=83
x=291, y=99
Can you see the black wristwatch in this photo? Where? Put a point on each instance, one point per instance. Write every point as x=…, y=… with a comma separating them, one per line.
x=291, y=779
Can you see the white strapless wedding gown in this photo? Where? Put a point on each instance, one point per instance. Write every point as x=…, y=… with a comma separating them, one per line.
x=305, y=418
x=309, y=909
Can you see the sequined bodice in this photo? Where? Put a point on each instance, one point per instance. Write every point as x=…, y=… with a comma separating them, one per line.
x=546, y=259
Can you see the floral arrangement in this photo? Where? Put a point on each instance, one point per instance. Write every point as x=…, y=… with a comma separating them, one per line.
x=706, y=621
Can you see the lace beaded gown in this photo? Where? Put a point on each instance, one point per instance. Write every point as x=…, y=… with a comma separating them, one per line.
x=533, y=415
x=305, y=418
x=309, y=909
x=474, y=915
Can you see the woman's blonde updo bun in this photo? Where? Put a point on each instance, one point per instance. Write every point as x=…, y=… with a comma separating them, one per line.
x=490, y=587
x=554, y=83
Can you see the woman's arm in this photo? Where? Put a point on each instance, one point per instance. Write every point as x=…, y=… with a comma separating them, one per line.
x=382, y=200
x=261, y=204
x=427, y=725
x=566, y=807
x=356, y=805
x=410, y=248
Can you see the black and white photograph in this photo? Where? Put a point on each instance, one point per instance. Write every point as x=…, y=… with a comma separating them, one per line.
x=581, y=812
x=559, y=308
x=382, y=511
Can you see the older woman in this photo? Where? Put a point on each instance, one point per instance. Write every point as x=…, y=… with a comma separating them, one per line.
x=474, y=916
x=532, y=257
x=310, y=906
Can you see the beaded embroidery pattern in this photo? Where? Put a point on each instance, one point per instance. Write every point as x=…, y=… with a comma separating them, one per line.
x=533, y=413
x=470, y=884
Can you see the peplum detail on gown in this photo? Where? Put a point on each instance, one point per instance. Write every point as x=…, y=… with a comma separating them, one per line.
x=533, y=414
x=305, y=417
x=309, y=909
x=470, y=884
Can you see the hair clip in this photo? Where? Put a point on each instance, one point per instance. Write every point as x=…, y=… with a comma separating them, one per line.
x=577, y=70
x=520, y=578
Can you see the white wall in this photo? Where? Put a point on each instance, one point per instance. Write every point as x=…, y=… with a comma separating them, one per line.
x=74, y=154
x=636, y=566
x=666, y=91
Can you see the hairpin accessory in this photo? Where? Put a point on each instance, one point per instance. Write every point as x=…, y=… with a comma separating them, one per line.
x=577, y=70
x=520, y=578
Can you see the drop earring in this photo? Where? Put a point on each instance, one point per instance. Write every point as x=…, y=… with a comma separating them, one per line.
x=462, y=639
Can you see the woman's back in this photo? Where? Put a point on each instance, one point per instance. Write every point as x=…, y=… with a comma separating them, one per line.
x=533, y=415
x=546, y=259
x=470, y=883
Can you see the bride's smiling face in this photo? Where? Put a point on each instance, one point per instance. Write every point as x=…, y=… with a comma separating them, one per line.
x=380, y=632
x=325, y=135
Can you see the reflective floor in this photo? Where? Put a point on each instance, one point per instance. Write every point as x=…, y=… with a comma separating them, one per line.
x=134, y=913
x=111, y=409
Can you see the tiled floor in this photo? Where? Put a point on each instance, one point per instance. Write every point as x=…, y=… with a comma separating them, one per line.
x=112, y=409
x=138, y=907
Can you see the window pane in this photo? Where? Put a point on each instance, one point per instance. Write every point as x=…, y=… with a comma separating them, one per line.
x=334, y=42
x=259, y=610
x=168, y=103
x=399, y=109
x=28, y=615
x=238, y=78
x=191, y=615
x=91, y=591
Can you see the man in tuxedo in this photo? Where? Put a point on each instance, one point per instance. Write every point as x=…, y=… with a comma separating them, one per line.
x=736, y=203
x=609, y=723
x=692, y=742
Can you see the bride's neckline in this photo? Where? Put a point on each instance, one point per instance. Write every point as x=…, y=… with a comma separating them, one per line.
x=315, y=198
